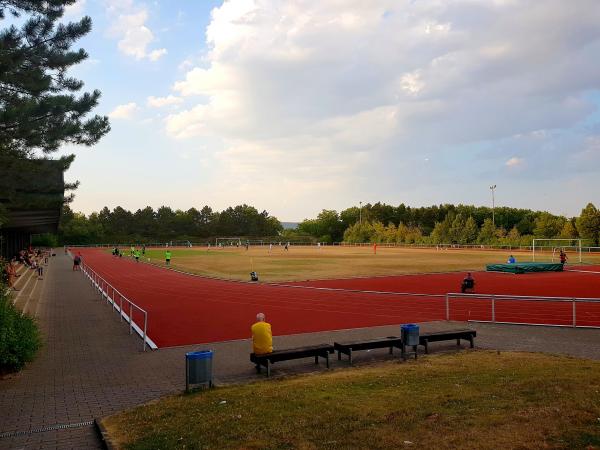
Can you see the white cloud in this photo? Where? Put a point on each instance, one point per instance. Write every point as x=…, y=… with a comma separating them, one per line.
x=303, y=92
x=130, y=28
x=125, y=111
x=155, y=55
x=514, y=162
x=159, y=102
x=75, y=10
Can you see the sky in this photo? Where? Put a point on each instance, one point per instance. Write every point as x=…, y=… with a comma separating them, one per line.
x=299, y=105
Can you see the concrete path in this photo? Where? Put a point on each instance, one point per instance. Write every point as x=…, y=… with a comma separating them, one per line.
x=90, y=366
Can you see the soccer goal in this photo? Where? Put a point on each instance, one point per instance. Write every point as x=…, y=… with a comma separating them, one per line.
x=180, y=244
x=228, y=242
x=549, y=249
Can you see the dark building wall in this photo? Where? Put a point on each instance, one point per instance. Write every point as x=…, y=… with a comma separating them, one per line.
x=32, y=193
x=12, y=241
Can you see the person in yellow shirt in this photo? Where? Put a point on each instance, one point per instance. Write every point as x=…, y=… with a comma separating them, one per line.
x=262, y=338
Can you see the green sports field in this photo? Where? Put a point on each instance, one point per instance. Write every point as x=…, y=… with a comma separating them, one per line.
x=311, y=262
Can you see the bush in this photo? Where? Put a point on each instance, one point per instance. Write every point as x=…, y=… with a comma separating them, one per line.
x=19, y=336
x=45, y=240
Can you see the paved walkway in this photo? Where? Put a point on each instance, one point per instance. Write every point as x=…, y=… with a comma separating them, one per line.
x=90, y=366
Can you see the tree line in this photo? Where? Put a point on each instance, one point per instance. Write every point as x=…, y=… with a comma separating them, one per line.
x=148, y=225
x=448, y=224
x=381, y=223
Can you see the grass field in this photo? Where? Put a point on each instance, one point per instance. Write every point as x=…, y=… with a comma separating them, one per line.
x=302, y=263
x=469, y=400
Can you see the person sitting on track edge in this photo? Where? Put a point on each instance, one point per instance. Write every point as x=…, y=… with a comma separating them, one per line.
x=468, y=284
x=511, y=260
x=262, y=337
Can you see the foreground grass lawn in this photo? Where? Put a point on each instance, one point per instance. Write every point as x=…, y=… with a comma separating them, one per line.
x=467, y=400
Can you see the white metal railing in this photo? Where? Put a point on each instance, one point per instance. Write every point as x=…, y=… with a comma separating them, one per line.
x=105, y=288
x=493, y=299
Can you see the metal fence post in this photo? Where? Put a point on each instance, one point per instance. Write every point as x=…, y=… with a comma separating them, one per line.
x=130, y=318
x=493, y=309
x=574, y=314
x=121, y=311
x=145, y=327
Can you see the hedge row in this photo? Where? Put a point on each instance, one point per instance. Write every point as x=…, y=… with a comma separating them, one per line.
x=20, y=337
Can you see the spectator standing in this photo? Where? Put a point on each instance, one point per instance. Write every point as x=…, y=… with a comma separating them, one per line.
x=563, y=257
x=76, y=262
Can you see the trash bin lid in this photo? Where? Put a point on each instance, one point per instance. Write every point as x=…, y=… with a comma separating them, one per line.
x=203, y=354
x=409, y=326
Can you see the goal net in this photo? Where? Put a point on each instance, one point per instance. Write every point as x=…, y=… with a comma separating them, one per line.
x=228, y=242
x=549, y=249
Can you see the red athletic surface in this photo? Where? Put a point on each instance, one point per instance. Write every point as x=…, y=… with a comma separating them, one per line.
x=184, y=309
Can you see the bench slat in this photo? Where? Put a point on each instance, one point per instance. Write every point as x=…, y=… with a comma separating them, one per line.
x=315, y=351
x=391, y=341
x=447, y=335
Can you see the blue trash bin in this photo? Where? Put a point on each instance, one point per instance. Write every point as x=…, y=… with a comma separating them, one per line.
x=410, y=334
x=198, y=368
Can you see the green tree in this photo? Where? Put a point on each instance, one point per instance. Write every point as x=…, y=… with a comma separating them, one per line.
x=39, y=108
x=471, y=231
x=327, y=227
x=359, y=233
x=457, y=230
x=568, y=230
x=548, y=226
x=440, y=233
x=487, y=233
x=588, y=224
x=513, y=236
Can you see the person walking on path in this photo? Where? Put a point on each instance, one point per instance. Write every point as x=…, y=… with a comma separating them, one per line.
x=76, y=262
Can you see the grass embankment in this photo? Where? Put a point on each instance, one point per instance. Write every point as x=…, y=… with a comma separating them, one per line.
x=469, y=400
x=301, y=263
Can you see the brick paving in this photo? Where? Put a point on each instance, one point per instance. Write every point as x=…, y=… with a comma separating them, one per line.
x=90, y=366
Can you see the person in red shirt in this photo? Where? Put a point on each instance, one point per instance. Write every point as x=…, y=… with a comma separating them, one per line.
x=563, y=257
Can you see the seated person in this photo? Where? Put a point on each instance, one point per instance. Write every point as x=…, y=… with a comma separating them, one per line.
x=262, y=338
x=468, y=284
x=511, y=259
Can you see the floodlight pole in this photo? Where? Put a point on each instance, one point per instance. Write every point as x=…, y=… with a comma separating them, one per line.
x=360, y=214
x=493, y=188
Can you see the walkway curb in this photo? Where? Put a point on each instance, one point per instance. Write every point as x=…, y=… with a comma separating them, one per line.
x=103, y=435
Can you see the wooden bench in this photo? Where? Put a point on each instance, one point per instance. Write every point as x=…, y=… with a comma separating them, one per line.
x=426, y=338
x=348, y=347
x=267, y=359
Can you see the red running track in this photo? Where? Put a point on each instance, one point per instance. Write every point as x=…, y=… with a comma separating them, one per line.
x=184, y=309
x=577, y=281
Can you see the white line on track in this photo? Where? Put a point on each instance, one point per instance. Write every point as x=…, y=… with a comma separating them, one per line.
x=582, y=271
